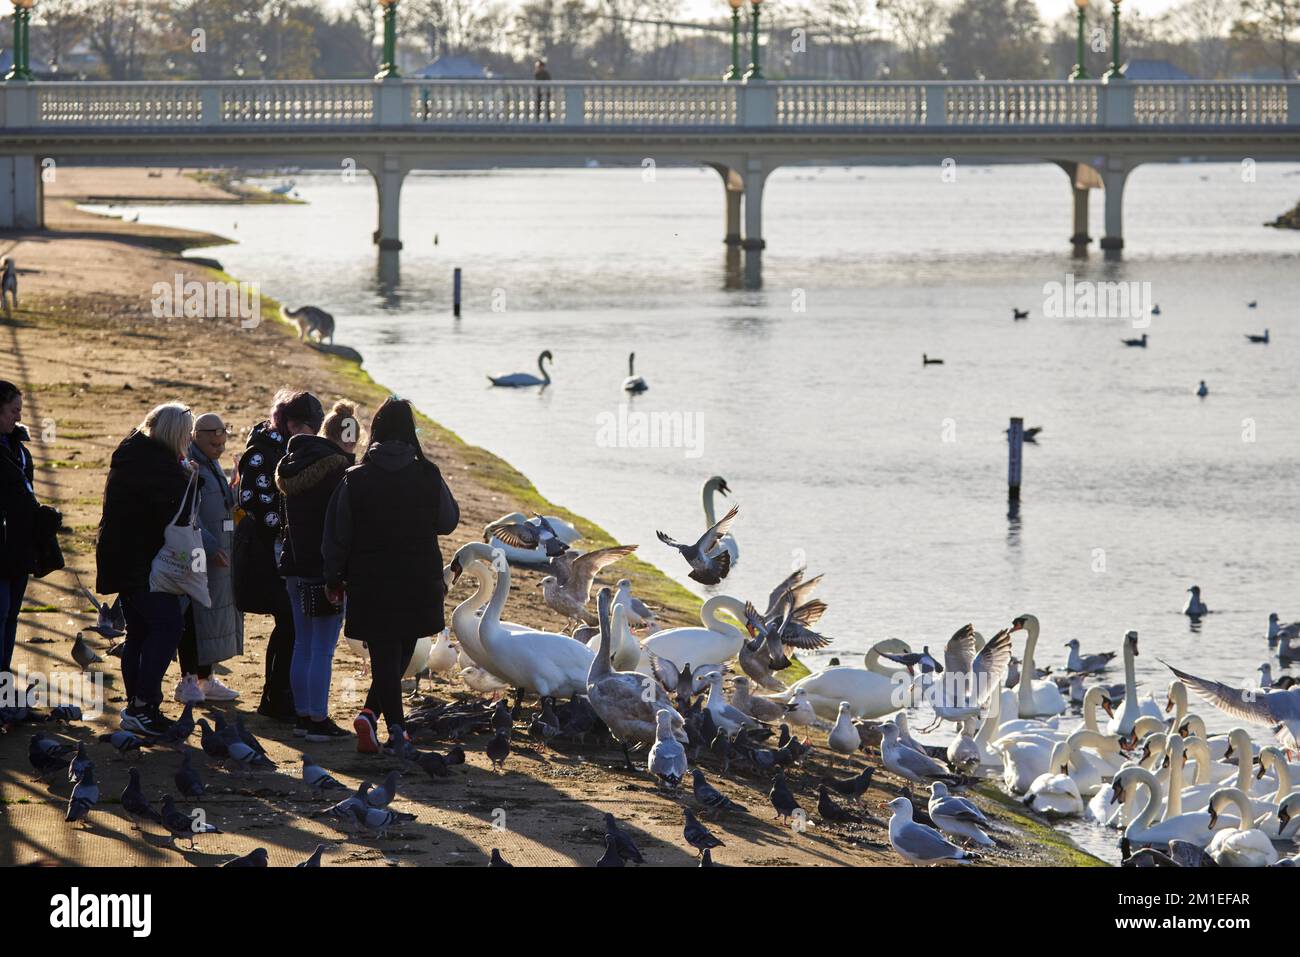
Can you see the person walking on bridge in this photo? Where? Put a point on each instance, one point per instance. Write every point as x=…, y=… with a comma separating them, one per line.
x=542, y=76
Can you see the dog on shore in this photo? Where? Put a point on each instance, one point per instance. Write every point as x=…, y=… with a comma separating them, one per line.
x=310, y=319
x=8, y=283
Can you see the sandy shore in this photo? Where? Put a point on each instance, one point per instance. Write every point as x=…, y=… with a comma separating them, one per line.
x=91, y=359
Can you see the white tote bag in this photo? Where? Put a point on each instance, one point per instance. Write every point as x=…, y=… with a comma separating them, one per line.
x=180, y=567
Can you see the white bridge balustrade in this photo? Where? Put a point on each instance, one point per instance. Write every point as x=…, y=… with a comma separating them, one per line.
x=1097, y=132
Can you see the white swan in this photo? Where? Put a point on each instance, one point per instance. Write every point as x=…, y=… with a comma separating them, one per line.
x=465, y=619
x=727, y=543
x=1184, y=796
x=872, y=692
x=1242, y=846
x=1036, y=698
x=716, y=643
x=1219, y=744
x=518, y=380
x=546, y=663
x=1023, y=760
x=1195, y=828
x=1131, y=708
x=1054, y=792
x=633, y=382
x=1093, y=759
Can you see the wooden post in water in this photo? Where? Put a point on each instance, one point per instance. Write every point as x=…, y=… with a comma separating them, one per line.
x=455, y=293
x=1015, y=450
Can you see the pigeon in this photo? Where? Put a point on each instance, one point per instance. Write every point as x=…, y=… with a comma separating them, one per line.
x=83, y=654
x=667, y=758
x=84, y=796
x=498, y=749
x=213, y=745
x=379, y=820
x=317, y=778
x=853, y=787
x=65, y=712
x=80, y=761
x=711, y=797
x=110, y=619
x=46, y=754
x=180, y=729
x=497, y=860
x=188, y=782
x=697, y=835
x=437, y=765
x=314, y=860
x=611, y=857
x=135, y=804
x=343, y=810
x=502, y=720
x=123, y=741
x=544, y=725
x=246, y=736
x=782, y=797
x=705, y=568
x=180, y=824
x=627, y=848
x=248, y=758
x=254, y=858
x=828, y=810
x=526, y=534
x=383, y=795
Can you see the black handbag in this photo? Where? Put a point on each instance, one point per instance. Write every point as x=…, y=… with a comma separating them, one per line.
x=48, y=556
x=315, y=602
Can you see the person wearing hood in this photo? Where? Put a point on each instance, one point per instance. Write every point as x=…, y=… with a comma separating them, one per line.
x=215, y=633
x=259, y=588
x=306, y=478
x=18, y=508
x=380, y=547
x=147, y=480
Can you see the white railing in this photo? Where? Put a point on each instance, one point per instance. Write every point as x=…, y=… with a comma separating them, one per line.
x=718, y=106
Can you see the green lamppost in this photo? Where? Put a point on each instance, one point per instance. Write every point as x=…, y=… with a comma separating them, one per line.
x=733, y=73
x=21, y=70
x=388, y=69
x=1080, y=71
x=1114, y=72
x=755, y=71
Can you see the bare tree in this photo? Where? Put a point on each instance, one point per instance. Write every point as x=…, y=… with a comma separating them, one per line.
x=916, y=26
x=1275, y=22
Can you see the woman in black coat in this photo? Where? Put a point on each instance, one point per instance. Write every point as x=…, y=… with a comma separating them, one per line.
x=144, y=491
x=381, y=547
x=18, y=508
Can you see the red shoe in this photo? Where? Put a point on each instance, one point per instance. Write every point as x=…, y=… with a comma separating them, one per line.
x=367, y=729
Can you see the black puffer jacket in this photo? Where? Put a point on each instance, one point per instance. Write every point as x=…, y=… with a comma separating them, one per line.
x=306, y=478
x=381, y=542
x=258, y=495
x=143, y=493
x=17, y=506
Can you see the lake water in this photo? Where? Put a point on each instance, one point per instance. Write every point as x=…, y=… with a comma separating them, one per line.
x=811, y=399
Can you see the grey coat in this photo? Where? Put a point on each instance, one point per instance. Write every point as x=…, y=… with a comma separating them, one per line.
x=220, y=629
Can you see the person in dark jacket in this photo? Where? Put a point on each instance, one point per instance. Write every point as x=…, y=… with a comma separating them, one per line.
x=144, y=491
x=380, y=547
x=306, y=477
x=292, y=413
x=18, y=508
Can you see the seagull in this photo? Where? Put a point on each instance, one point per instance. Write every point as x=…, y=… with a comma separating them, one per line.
x=627, y=848
x=697, y=835
x=568, y=588
x=1252, y=304
x=1086, y=664
x=1019, y=313
x=1279, y=709
x=913, y=765
x=957, y=816
x=711, y=797
x=1029, y=435
x=84, y=796
x=972, y=678
x=318, y=779
x=110, y=619
x=927, y=361
x=787, y=627
x=916, y=843
x=1202, y=390
x=914, y=659
x=1140, y=342
x=843, y=737
x=726, y=717
x=83, y=654
x=706, y=568
x=1195, y=608
x=1277, y=631
x=135, y=804
x=639, y=614
x=667, y=760
x=528, y=535
x=1263, y=340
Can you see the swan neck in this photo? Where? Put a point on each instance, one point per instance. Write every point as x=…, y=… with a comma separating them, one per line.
x=707, y=495
x=709, y=614
x=463, y=618
x=1148, y=814
x=500, y=590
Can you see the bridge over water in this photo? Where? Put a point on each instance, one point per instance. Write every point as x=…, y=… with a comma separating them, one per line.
x=1097, y=132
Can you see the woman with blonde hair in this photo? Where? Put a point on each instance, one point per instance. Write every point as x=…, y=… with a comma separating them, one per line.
x=147, y=481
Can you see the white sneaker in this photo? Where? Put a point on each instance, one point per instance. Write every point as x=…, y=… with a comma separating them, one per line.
x=188, y=690
x=214, y=690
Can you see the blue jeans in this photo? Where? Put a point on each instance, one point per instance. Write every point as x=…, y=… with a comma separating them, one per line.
x=11, y=599
x=313, y=656
x=154, y=622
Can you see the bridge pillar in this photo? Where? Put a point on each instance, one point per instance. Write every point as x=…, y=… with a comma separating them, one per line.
x=1082, y=179
x=388, y=182
x=1113, y=175
x=733, y=188
x=22, y=193
x=754, y=177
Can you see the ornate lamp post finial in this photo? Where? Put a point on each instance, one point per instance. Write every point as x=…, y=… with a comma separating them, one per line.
x=1080, y=71
x=733, y=72
x=388, y=69
x=1114, y=73
x=21, y=70
x=755, y=71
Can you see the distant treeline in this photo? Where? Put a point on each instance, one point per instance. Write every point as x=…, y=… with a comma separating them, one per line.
x=650, y=39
